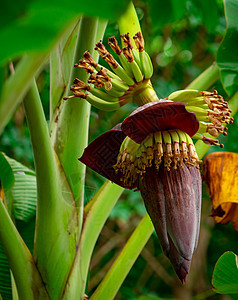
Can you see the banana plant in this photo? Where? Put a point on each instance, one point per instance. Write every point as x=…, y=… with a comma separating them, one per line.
x=155, y=141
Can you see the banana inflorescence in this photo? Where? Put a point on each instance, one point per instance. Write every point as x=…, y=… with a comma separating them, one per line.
x=174, y=146
x=110, y=89
x=211, y=111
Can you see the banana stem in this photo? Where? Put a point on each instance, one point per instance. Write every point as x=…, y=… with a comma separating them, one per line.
x=144, y=95
x=96, y=214
x=70, y=135
x=54, y=216
x=129, y=22
x=20, y=259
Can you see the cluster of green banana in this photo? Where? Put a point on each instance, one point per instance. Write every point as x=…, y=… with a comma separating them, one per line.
x=211, y=111
x=112, y=89
x=175, y=146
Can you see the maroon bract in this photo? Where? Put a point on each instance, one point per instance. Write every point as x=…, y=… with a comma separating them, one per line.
x=173, y=201
x=101, y=154
x=158, y=116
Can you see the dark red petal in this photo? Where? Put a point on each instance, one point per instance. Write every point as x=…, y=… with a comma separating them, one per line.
x=152, y=192
x=197, y=186
x=173, y=201
x=182, y=208
x=159, y=115
x=101, y=154
x=170, y=210
x=181, y=265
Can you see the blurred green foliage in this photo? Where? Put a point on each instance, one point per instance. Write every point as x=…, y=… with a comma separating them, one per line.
x=182, y=38
x=26, y=20
x=226, y=55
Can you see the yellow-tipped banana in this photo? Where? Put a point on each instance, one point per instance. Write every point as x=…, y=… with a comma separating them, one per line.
x=202, y=127
x=148, y=143
x=174, y=136
x=125, y=143
x=119, y=85
x=189, y=140
x=125, y=64
x=197, y=136
x=199, y=112
x=116, y=82
x=158, y=137
x=146, y=63
x=101, y=104
x=115, y=93
x=158, y=148
x=136, y=71
x=166, y=137
x=204, y=106
x=196, y=102
x=184, y=95
x=123, y=75
x=109, y=73
x=132, y=146
x=104, y=96
x=137, y=58
x=182, y=136
x=168, y=154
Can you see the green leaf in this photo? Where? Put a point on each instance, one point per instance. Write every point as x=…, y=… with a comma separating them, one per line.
x=6, y=173
x=35, y=26
x=227, y=57
x=208, y=11
x=55, y=215
x=225, y=274
x=21, y=182
x=96, y=213
x=26, y=230
x=24, y=191
x=2, y=71
x=5, y=278
x=7, y=181
x=20, y=260
x=19, y=257
x=16, y=85
x=164, y=12
x=116, y=275
x=149, y=298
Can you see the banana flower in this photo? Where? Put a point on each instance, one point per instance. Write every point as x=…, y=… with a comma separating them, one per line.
x=152, y=151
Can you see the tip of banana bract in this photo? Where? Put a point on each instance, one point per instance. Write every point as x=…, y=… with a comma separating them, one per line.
x=182, y=274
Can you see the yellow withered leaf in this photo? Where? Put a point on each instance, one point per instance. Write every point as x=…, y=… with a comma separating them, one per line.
x=221, y=175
